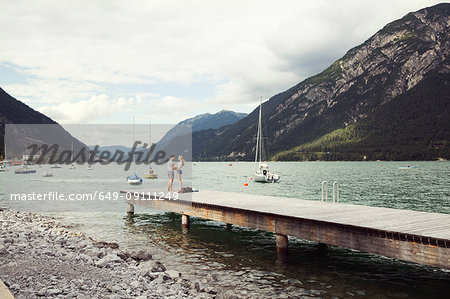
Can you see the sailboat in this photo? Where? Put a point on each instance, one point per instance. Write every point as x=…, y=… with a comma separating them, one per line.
x=25, y=170
x=151, y=173
x=72, y=166
x=134, y=179
x=262, y=173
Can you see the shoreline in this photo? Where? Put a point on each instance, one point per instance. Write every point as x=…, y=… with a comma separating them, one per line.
x=42, y=258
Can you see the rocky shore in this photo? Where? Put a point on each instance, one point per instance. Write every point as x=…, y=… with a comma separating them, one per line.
x=42, y=258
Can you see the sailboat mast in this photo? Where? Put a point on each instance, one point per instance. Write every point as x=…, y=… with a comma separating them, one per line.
x=134, y=140
x=257, y=136
x=260, y=132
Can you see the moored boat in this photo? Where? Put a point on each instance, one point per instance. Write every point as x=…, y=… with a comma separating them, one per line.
x=262, y=173
x=151, y=174
x=407, y=167
x=24, y=170
x=134, y=180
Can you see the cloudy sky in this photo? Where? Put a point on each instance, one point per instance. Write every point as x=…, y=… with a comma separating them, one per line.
x=163, y=61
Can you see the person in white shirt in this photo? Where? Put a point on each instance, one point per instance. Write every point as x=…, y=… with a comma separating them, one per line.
x=170, y=171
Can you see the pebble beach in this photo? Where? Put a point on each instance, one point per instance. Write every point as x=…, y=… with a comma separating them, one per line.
x=42, y=258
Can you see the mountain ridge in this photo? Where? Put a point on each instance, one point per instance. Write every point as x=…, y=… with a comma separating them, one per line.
x=367, y=77
x=40, y=130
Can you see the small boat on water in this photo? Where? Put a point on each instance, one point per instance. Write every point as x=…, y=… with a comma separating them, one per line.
x=56, y=166
x=3, y=167
x=134, y=180
x=47, y=174
x=72, y=166
x=407, y=167
x=262, y=173
x=151, y=174
x=24, y=170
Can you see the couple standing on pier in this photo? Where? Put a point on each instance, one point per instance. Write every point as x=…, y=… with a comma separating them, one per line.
x=175, y=168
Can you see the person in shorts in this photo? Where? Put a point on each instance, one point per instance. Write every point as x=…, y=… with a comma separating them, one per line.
x=179, y=172
x=171, y=171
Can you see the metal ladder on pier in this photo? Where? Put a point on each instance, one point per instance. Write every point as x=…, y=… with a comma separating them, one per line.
x=335, y=191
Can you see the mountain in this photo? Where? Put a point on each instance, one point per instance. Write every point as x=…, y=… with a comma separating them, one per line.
x=384, y=99
x=202, y=122
x=32, y=127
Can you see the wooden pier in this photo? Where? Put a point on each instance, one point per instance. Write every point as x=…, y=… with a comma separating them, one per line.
x=412, y=236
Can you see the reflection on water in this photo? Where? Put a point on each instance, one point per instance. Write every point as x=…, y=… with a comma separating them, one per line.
x=245, y=260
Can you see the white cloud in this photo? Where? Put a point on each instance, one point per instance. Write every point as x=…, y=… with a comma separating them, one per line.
x=74, y=50
x=96, y=107
x=144, y=107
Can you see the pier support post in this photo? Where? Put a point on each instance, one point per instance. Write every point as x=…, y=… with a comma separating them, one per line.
x=185, y=220
x=130, y=209
x=322, y=246
x=229, y=226
x=282, y=243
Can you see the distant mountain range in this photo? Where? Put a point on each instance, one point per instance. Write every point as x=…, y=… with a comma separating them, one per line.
x=178, y=139
x=387, y=98
x=201, y=122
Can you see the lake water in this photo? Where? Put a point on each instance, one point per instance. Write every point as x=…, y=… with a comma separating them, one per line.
x=244, y=260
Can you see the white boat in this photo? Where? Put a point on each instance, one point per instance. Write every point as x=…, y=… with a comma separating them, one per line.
x=25, y=170
x=55, y=166
x=72, y=166
x=47, y=174
x=134, y=179
x=262, y=173
x=90, y=167
x=407, y=167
